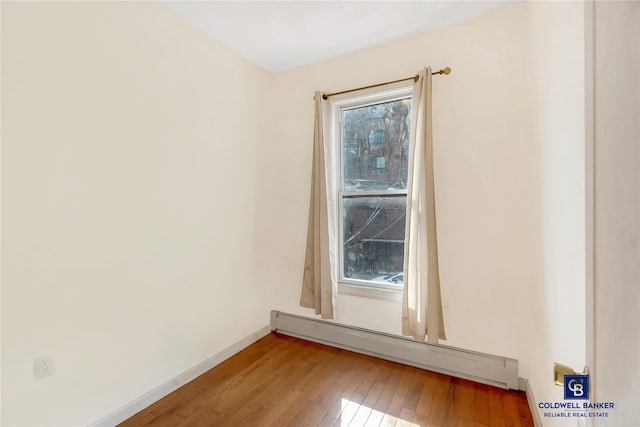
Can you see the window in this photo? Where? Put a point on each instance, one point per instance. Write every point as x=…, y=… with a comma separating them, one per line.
x=373, y=133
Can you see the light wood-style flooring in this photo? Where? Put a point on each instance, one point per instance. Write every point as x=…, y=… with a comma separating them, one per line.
x=284, y=381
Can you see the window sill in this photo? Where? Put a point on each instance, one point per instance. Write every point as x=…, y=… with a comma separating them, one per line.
x=393, y=295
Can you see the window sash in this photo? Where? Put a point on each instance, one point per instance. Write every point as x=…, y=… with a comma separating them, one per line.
x=370, y=193
x=338, y=108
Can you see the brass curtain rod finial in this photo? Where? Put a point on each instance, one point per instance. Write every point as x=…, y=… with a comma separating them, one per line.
x=446, y=71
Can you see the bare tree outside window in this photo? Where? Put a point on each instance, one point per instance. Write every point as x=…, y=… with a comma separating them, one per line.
x=375, y=147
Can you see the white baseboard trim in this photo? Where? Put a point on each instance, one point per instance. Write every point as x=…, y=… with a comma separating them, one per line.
x=132, y=408
x=537, y=422
x=522, y=384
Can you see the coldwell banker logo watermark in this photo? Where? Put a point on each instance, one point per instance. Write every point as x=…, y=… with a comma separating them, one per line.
x=576, y=387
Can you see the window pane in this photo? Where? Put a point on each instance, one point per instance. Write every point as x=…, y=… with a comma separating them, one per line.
x=374, y=238
x=376, y=146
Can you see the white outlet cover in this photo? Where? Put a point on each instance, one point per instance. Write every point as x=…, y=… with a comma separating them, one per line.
x=43, y=367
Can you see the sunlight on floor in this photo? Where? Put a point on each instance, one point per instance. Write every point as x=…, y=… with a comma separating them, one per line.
x=355, y=414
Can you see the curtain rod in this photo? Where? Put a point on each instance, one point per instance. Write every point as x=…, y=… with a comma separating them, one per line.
x=445, y=71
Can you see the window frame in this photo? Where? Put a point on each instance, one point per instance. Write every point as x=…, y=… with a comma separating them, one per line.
x=357, y=99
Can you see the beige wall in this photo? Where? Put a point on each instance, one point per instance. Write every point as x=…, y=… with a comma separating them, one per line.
x=558, y=95
x=614, y=347
x=487, y=178
x=129, y=204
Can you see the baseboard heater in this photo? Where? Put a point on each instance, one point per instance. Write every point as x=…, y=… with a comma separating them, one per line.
x=479, y=367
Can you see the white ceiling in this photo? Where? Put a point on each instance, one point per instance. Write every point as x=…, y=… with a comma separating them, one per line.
x=279, y=35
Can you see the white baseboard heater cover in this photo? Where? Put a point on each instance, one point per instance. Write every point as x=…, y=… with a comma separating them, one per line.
x=479, y=367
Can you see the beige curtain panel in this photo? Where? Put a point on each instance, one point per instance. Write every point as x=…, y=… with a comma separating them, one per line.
x=319, y=287
x=421, y=302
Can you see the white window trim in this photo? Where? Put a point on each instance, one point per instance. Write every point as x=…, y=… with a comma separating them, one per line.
x=393, y=295
x=391, y=92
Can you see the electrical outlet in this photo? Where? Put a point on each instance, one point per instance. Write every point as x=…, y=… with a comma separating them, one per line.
x=43, y=367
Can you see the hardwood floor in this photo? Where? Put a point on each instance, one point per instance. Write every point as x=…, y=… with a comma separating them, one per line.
x=284, y=381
